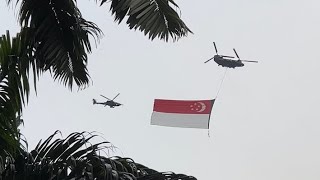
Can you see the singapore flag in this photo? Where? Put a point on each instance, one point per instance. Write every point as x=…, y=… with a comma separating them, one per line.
x=182, y=113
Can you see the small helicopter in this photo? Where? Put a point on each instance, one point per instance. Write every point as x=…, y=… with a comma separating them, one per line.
x=225, y=62
x=111, y=103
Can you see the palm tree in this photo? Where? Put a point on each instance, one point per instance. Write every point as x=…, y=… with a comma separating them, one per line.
x=14, y=86
x=58, y=34
x=75, y=158
x=55, y=37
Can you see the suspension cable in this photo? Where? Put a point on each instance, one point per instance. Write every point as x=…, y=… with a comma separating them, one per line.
x=220, y=87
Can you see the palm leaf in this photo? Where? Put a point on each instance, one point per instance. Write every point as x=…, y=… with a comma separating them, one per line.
x=60, y=38
x=156, y=18
x=52, y=159
x=14, y=89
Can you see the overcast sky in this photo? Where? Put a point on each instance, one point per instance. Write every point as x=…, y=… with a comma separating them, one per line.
x=265, y=123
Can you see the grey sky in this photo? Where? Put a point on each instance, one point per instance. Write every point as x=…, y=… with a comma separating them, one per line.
x=265, y=122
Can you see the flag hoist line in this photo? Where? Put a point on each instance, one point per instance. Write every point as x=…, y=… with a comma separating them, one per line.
x=221, y=82
x=220, y=87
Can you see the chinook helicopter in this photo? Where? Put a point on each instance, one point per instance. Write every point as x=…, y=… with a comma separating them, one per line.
x=223, y=60
x=111, y=103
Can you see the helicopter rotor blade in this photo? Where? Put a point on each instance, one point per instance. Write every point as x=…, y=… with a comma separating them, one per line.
x=249, y=61
x=116, y=96
x=236, y=53
x=105, y=97
x=215, y=47
x=208, y=60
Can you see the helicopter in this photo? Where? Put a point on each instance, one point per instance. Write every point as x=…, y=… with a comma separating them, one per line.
x=111, y=103
x=223, y=60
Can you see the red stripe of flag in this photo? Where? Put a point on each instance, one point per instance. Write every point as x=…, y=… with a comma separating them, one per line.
x=183, y=106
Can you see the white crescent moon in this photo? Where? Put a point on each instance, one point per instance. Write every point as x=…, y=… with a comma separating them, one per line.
x=203, y=107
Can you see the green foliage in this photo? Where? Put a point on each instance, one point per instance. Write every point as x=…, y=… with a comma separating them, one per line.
x=14, y=89
x=155, y=18
x=55, y=37
x=60, y=38
x=76, y=158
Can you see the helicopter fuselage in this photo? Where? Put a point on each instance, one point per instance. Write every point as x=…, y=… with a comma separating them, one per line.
x=111, y=104
x=230, y=63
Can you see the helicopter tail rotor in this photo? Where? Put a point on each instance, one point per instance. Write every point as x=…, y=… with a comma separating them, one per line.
x=94, y=101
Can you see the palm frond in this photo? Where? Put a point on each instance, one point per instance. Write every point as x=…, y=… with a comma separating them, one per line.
x=14, y=89
x=60, y=38
x=76, y=158
x=156, y=18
